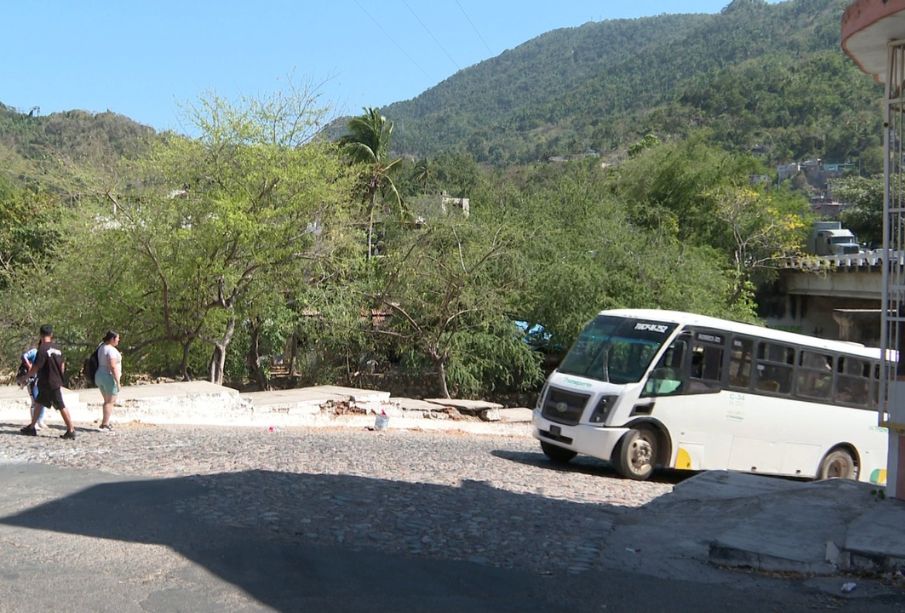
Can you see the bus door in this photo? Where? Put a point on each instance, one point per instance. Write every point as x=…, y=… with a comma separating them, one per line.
x=707, y=406
x=686, y=383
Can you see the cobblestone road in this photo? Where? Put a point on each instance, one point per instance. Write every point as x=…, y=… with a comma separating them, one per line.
x=493, y=500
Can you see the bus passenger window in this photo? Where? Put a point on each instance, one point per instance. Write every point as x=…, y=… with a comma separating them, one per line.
x=775, y=364
x=854, y=385
x=706, y=367
x=707, y=363
x=774, y=352
x=740, y=357
x=814, y=378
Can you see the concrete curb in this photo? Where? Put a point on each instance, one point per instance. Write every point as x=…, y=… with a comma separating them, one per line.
x=736, y=557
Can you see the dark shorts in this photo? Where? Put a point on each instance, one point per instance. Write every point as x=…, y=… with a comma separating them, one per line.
x=51, y=398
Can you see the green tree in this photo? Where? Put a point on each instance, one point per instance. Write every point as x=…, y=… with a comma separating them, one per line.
x=449, y=288
x=86, y=286
x=583, y=252
x=257, y=191
x=762, y=228
x=208, y=230
x=26, y=228
x=648, y=142
x=704, y=195
x=864, y=214
x=368, y=144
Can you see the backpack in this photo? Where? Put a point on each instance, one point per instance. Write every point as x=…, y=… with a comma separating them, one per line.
x=22, y=373
x=92, y=364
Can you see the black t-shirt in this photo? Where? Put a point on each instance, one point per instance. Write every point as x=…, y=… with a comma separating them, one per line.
x=49, y=366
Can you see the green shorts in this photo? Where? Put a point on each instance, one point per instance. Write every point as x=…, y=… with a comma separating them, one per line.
x=106, y=383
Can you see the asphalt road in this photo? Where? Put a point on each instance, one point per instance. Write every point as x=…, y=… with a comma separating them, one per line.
x=179, y=519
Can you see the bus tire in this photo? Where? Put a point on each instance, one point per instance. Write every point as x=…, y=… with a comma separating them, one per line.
x=636, y=454
x=839, y=463
x=557, y=454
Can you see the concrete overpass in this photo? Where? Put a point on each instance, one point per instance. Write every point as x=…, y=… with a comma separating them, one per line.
x=831, y=296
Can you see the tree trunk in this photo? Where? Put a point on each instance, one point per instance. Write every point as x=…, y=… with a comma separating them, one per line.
x=218, y=356
x=293, y=353
x=370, y=233
x=184, y=366
x=371, y=224
x=441, y=378
x=253, y=357
x=218, y=364
x=741, y=278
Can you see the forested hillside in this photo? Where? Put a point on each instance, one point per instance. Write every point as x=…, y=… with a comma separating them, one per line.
x=52, y=152
x=764, y=77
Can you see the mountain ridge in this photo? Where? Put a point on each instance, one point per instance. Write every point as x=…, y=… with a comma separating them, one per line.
x=44, y=150
x=592, y=87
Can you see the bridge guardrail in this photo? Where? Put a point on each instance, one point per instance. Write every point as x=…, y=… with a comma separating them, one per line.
x=864, y=259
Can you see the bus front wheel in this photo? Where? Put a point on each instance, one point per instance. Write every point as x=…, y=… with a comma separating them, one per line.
x=556, y=454
x=635, y=456
x=838, y=464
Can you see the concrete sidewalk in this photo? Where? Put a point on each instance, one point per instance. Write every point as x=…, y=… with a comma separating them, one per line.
x=738, y=520
x=203, y=403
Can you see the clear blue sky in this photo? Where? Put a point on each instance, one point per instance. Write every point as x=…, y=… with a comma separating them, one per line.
x=145, y=58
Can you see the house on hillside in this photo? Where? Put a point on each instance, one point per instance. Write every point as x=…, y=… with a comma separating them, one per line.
x=448, y=204
x=815, y=171
x=825, y=207
x=787, y=171
x=433, y=206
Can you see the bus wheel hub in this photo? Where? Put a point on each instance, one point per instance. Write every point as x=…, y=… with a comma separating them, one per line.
x=641, y=453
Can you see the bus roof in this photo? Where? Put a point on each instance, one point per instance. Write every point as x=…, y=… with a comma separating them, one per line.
x=680, y=317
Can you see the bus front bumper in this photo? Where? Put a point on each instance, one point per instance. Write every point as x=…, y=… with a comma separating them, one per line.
x=597, y=442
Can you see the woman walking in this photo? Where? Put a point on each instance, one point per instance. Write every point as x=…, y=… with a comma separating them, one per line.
x=107, y=378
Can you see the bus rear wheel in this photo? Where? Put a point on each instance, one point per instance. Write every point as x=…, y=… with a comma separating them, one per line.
x=556, y=454
x=838, y=464
x=635, y=456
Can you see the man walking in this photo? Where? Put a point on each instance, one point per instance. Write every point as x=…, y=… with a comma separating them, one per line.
x=49, y=367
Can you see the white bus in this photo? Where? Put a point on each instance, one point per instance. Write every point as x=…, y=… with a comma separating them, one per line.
x=649, y=388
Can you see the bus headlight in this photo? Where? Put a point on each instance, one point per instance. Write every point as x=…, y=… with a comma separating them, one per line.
x=602, y=410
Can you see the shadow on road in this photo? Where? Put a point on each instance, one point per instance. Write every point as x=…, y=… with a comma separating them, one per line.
x=333, y=542
x=13, y=429
x=587, y=465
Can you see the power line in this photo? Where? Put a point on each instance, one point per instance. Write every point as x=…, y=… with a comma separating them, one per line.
x=426, y=29
x=473, y=27
x=392, y=40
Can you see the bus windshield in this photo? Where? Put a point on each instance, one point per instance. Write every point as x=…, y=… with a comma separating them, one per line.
x=616, y=349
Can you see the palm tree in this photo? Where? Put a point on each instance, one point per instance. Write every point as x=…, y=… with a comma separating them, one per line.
x=425, y=173
x=368, y=142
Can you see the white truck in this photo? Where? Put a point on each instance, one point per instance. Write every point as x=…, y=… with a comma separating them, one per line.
x=830, y=238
